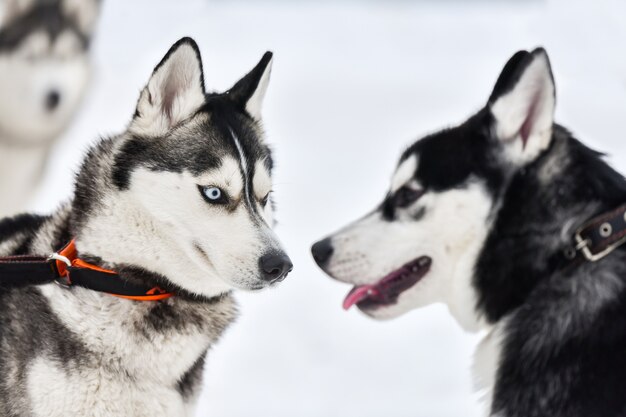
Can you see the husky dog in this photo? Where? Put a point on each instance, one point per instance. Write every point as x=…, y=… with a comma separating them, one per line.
x=481, y=217
x=182, y=200
x=44, y=70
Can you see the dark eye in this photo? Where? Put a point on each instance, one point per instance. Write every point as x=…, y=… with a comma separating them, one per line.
x=213, y=194
x=265, y=200
x=406, y=196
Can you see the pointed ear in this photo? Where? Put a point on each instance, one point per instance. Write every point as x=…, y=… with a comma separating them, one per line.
x=522, y=104
x=250, y=90
x=14, y=8
x=83, y=12
x=174, y=93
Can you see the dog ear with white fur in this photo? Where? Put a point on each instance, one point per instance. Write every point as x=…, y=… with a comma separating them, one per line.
x=522, y=104
x=14, y=8
x=84, y=13
x=174, y=93
x=250, y=90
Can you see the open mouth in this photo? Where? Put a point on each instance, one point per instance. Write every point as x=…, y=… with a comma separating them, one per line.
x=387, y=290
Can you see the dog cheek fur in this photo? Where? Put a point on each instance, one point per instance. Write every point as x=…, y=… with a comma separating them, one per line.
x=451, y=231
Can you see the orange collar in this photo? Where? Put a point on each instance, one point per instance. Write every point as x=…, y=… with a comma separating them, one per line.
x=72, y=271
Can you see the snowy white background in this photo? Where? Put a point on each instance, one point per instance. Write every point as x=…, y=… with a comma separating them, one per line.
x=353, y=83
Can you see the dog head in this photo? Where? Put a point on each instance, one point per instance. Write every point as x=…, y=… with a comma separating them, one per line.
x=188, y=185
x=421, y=244
x=43, y=66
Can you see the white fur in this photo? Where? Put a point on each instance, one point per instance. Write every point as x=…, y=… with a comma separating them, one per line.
x=485, y=366
x=163, y=215
x=173, y=94
x=254, y=103
x=60, y=394
x=153, y=365
x=262, y=185
x=14, y=8
x=404, y=173
x=29, y=74
x=244, y=165
x=451, y=232
x=531, y=101
x=262, y=182
x=205, y=248
x=84, y=13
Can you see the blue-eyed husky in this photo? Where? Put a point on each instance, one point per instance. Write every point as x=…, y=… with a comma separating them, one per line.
x=179, y=203
x=516, y=226
x=44, y=69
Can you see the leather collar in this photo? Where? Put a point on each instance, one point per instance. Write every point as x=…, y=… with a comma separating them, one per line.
x=599, y=236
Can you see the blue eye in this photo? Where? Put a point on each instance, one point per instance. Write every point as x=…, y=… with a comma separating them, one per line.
x=213, y=194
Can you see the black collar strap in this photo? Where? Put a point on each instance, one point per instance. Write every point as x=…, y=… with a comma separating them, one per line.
x=599, y=236
x=67, y=269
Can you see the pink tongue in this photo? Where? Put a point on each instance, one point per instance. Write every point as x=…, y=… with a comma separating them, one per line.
x=358, y=294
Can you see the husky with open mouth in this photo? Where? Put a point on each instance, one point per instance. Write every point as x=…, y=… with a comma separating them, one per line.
x=517, y=227
x=166, y=220
x=44, y=72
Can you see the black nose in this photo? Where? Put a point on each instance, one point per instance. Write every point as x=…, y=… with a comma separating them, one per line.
x=52, y=100
x=275, y=266
x=322, y=251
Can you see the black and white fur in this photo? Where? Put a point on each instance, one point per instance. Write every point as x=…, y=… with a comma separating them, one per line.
x=494, y=202
x=141, y=208
x=44, y=70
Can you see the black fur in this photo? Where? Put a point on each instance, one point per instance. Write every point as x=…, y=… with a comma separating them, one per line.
x=564, y=338
x=244, y=88
x=27, y=316
x=192, y=379
x=22, y=223
x=562, y=326
x=448, y=159
x=512, y=72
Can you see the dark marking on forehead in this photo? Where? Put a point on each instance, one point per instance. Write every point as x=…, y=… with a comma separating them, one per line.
x=46, y=16
x=194, y=146
x=229, y=118
x=193, y=152
x=447, y=159
x=242, y=131
x=450, y=158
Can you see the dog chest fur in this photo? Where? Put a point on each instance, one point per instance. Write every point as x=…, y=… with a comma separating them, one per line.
x=108, y=356
x=68, y=351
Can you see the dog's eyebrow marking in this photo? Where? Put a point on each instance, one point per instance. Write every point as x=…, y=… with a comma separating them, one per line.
x=404, y=173
x=244, y=167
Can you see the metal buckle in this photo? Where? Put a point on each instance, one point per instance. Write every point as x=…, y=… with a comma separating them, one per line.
x=583, y=246
x=63, y=281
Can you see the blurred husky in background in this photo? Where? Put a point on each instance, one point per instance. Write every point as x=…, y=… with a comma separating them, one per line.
x=504, y=219
x=44, y=69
